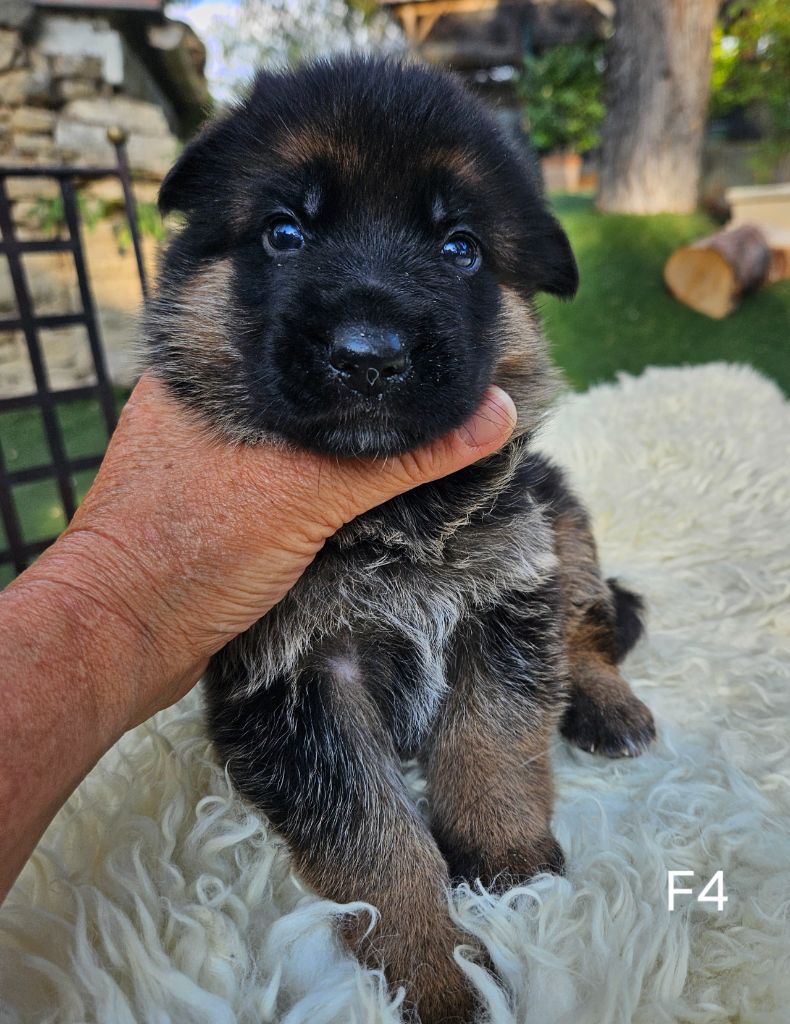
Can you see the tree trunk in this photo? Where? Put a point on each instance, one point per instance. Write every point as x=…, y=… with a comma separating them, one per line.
x=657, y=82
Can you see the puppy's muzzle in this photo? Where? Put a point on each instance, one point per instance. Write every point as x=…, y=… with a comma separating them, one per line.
x=368, y=359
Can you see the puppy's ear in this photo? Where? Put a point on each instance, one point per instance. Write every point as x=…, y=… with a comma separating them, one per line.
x=553, y=265
x=201, y=172
x=544, y=258
x=192, y=177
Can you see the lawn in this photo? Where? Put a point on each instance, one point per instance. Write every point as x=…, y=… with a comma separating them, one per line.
x=622, y=319
x=24, y=445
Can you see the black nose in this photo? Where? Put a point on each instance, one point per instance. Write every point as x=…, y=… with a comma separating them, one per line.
x=368, y=358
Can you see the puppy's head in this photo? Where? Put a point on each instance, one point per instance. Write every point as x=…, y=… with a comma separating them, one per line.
x=358, y=264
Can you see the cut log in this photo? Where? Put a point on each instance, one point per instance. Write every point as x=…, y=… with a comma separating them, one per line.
x=712, y=275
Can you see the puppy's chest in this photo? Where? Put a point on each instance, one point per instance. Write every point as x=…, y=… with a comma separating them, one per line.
x=420, y=579
x=401, y=581
x=386, y=601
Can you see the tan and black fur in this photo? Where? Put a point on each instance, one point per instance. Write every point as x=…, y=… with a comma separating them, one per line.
x=462, y=623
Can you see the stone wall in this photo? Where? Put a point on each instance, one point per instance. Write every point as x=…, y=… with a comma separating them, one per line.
x=52, y=283
x=64, y=80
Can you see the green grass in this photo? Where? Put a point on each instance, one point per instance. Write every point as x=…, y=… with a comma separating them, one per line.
x=622, y=319
x=24, y=445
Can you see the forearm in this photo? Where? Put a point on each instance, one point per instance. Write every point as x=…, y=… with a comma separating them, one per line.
x=72, y=670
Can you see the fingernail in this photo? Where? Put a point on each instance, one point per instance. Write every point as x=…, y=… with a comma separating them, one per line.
x=493, y=420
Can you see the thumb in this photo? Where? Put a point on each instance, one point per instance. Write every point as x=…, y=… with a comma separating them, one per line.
x=367, y=484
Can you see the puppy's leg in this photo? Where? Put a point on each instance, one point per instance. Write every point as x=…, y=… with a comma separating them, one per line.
x=602, y=623
x=312, y=753
x=487, y=761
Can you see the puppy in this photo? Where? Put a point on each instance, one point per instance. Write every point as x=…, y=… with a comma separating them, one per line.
x=359, y=261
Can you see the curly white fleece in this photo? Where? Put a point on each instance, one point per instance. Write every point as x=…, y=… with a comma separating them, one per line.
x=158, y=896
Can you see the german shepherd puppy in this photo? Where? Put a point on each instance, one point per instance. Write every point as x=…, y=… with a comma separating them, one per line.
x=360, y=257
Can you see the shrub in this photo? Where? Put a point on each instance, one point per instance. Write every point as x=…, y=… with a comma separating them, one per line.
x=751, y=68
x=562, y=94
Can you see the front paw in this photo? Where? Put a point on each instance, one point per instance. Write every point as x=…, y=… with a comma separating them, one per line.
x=619, y=726
x=416, y=950
x=501, y=871
x=437, y=991
x=438, y=1001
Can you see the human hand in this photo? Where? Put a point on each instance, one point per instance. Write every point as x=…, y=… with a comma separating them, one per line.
x=184, y=540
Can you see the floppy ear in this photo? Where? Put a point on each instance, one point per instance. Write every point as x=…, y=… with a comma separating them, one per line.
x=554, y=266
x=189, y=179
x=202, y=166
x=545, y=259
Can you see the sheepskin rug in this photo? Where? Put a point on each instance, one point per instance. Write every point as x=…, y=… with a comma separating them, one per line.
x=158, y=896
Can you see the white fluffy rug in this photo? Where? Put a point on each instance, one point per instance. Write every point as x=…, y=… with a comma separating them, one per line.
x=157, y=896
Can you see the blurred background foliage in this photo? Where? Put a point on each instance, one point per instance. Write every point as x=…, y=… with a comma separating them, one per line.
x=751, y=61
x=561, y=91
x=750, y=82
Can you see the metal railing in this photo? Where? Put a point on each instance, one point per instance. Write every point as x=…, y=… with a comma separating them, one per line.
x=18, y=552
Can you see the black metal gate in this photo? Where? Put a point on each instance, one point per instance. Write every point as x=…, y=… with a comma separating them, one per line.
x=16, y=551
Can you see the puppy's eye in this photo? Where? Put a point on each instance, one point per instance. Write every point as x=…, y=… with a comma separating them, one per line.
x=283, y=235
x=462, y=251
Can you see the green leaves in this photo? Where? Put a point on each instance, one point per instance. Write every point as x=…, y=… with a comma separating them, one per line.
x=751, y=62
x=47, y=215
x=562, y=94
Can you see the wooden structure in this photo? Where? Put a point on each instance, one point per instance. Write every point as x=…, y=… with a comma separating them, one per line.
x=766, y=205
x=474, y=35
x=418, y=17
x=485, y=40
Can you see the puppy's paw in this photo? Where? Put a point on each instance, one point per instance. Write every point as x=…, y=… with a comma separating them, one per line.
x=526, y=858
x=441, y=1004
x=543, y=854
x=416, y=950
x=621, y=726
